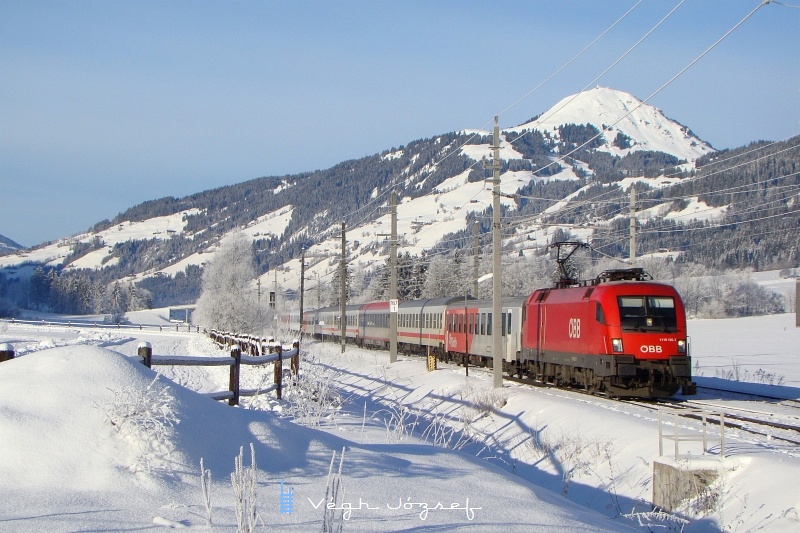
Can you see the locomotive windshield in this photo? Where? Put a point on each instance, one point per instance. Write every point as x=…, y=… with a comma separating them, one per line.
x=647, y=313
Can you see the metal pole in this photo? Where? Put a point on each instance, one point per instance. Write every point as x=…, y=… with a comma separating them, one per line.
x=633, y=227
x=393, y=282
x=797, y=304
x=475, y=235
x=342, y=287
x=497, y=302
x=275, y=288
x=302, y=284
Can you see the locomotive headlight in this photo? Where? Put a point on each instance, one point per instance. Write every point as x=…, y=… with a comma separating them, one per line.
x=616, y=345
x=681, y=345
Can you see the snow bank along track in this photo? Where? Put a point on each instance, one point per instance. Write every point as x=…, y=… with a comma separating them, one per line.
x=753, y=421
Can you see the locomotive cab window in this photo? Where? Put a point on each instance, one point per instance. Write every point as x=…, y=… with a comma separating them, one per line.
x=647, y=313
x=599, y=315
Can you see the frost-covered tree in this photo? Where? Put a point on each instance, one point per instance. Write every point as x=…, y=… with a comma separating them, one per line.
x=445, y=277
x=229, y=301
x=116, y=302
x=522, y=276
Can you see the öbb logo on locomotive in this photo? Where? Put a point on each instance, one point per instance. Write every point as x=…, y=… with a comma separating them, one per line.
x=574, y=328
x=650, y=348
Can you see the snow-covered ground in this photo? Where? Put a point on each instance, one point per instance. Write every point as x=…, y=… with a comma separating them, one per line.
x=435, y=445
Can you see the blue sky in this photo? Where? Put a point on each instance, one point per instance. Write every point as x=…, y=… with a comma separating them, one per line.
x=104, y=105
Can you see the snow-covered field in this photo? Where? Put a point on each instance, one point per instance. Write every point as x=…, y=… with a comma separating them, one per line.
x=423, y=451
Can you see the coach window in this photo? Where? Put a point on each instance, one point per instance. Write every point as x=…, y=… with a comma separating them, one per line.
x=503, y=324
x=488, y=323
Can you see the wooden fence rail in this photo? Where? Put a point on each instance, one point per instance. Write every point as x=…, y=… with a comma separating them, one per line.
x=249, y=352
x=180, y=327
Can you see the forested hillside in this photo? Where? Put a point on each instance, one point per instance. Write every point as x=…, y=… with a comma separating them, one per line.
x=726, y=209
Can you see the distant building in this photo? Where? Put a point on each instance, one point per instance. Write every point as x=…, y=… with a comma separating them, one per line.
x=181, y=314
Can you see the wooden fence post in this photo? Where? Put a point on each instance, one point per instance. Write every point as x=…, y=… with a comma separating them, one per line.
x=236, y=353
x=145, y=351
x=6, y=352
x=295, y=364
x=279, y=370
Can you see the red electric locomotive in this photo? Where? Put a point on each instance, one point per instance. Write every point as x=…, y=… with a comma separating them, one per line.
x=620, y=334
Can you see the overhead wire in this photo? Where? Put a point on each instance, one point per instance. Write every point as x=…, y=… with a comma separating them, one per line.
x=529, y=93
x=668, y=82
x=611, y=66
x=684, y=181
x=671, y=80
x=574, y=58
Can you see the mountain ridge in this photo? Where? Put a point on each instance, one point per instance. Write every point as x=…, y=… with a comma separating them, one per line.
x=8, y=246
x=440, y=181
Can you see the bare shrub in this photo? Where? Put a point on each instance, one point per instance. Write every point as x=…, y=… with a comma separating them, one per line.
x=480, y=402
x=147, y=417
x=313, y=398
x=205, y=487
x=399, y=424
x=333, y=522
x=245, y=482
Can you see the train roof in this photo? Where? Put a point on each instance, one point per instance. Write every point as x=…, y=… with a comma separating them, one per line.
x=433, y=302
x=514, y=301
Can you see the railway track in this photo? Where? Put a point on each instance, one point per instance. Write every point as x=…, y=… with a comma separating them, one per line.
x=714, y=414
x=753, y=421
x=778, y=399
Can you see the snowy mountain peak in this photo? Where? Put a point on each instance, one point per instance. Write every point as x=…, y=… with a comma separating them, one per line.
x=627, y=124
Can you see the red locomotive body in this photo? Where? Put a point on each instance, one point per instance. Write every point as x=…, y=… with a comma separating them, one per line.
x=627, y=338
